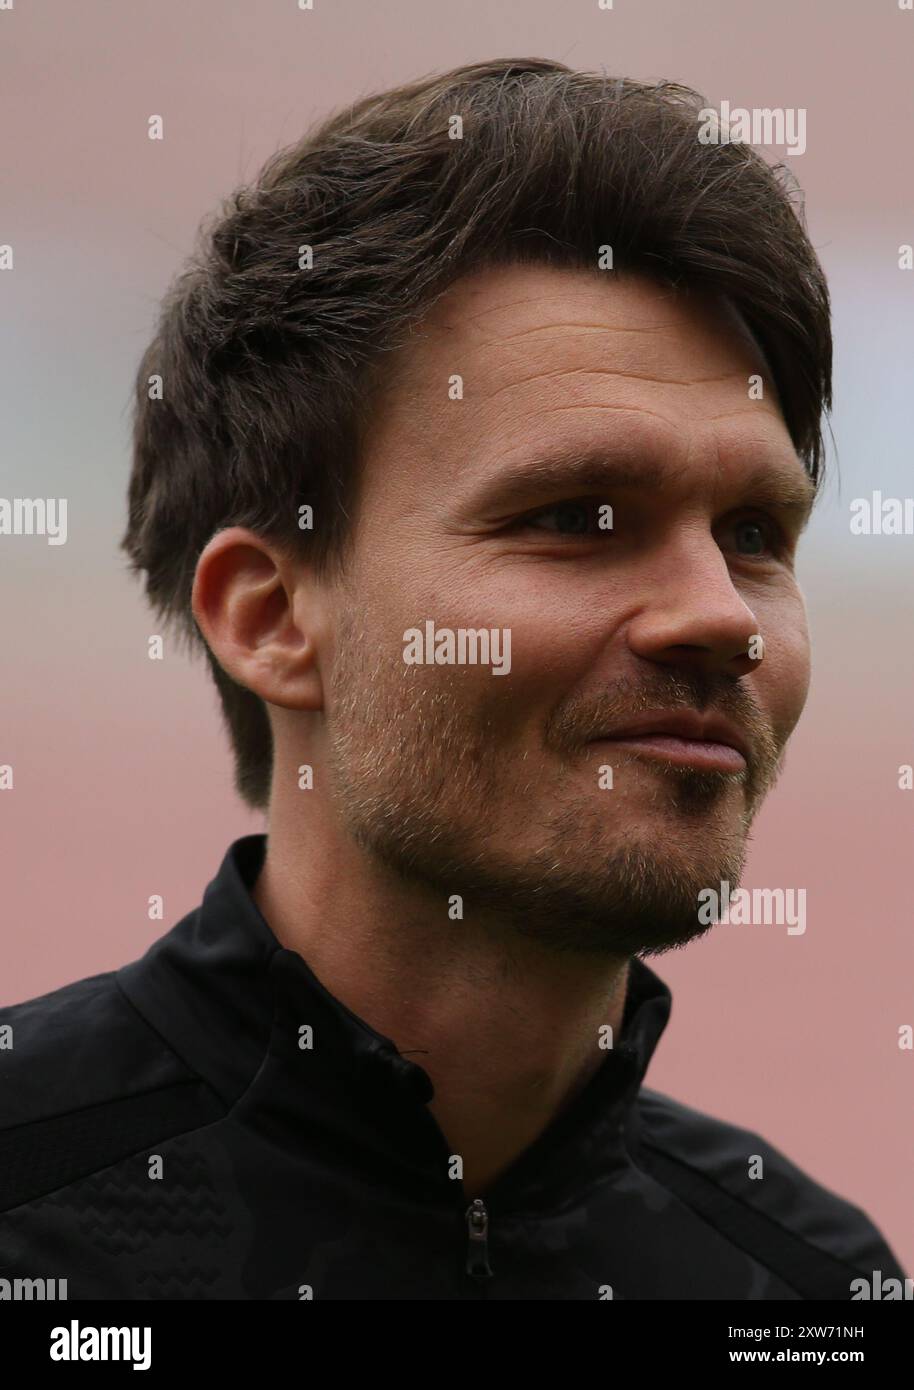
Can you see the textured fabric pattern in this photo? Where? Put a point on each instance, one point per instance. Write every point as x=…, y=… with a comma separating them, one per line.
x=164, y=1136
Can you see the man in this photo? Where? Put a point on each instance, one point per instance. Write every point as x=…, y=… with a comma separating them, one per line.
x=476, y=446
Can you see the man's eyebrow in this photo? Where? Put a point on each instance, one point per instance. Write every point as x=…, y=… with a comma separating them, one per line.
x=787, y=487
x=790, y=490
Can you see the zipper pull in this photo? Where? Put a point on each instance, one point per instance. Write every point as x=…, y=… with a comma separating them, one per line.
x=478, y=1240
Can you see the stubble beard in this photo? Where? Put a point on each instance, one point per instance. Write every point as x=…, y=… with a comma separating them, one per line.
x=425, y=787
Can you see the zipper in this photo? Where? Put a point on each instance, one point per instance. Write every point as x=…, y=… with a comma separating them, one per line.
x=477, y=1219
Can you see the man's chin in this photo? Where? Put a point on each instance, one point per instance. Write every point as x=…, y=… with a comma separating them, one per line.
x=631, y=901
x=627, y=916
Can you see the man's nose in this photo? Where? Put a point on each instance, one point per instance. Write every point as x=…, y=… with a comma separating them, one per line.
x=694, y=616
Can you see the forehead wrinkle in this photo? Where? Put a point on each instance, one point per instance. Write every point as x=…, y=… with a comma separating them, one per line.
x=615, y=372
x=628, y=408
x=500, y=308
x=736, y=412
x=551, y=330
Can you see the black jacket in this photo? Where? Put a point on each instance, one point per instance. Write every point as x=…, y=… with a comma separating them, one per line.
x=166, y=1132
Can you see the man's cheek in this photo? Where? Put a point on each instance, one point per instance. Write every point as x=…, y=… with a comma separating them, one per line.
x=786, y=682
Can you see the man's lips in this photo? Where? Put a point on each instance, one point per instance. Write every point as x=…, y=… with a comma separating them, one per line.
x=684, y=738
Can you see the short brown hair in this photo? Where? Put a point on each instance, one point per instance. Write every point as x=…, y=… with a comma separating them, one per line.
x=267, y=368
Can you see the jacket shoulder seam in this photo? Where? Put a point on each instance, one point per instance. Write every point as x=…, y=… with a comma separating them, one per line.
x=754, y=1212
x=24, y=1194
x=167, y=1043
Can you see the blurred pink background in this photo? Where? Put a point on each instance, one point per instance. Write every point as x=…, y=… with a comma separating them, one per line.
x=122, y=771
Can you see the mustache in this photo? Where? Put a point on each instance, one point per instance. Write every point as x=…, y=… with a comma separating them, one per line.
x=585, y=715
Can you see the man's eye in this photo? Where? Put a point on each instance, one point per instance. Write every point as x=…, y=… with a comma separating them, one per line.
x=756, y=537
x=571, y=519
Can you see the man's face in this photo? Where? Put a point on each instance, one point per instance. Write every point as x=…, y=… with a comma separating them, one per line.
x=494, y=786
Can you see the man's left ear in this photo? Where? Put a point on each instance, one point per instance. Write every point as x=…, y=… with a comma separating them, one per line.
x=260, y=620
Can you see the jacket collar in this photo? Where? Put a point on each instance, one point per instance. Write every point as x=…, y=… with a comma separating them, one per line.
x=233, y=1003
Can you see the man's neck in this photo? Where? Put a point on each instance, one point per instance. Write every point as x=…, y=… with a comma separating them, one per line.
x=508, y=1031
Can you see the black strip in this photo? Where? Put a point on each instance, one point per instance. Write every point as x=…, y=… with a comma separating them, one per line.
x=44, y=1155
x=812, y=1273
